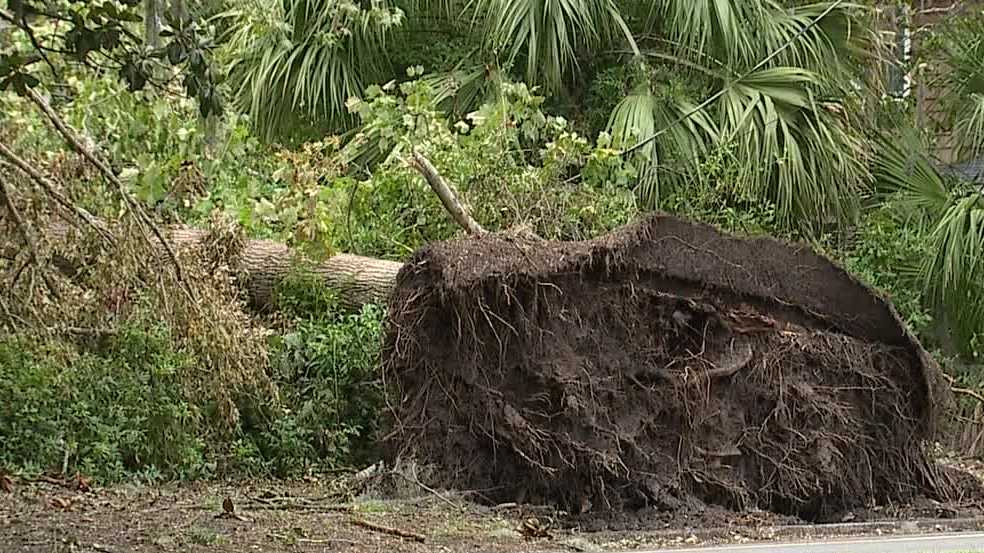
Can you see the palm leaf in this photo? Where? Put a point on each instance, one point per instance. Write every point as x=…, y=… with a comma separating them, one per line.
x=806, y=162
x=301, y=60
x=544, y=36
x=674, y=157
x=954, y=274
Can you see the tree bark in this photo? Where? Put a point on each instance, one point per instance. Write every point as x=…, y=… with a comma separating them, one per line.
x=446, y=193
x=265, y=263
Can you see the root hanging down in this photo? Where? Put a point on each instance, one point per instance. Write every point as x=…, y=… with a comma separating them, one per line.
x=665, y=365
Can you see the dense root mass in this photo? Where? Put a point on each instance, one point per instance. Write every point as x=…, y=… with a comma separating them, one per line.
x=666, y=365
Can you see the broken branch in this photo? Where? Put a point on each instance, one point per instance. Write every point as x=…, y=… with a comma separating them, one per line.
x=446, y=193
x=387, y=530
x=8, y=195
x=73, y=140
x=49, y=188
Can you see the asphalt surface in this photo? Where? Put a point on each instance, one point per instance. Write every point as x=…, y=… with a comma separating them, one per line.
x=936, y=543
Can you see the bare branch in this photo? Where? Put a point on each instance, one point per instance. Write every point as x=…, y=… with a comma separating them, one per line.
x=51, y=190
x=446, y=193
x=7, y=191
x=71, y=137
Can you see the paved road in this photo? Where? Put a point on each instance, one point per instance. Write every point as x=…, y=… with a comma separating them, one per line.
x=937, y=543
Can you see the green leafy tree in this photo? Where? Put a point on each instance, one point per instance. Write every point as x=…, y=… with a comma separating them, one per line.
x=103, y=36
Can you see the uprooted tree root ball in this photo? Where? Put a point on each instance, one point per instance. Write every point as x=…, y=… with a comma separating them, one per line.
x=666, y=365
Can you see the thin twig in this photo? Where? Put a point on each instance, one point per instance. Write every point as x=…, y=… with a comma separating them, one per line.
x=49, y=188
x=8, y=195
x=108, y=173
x=37, y=45
x=387, y=530
x=428, y=489
x=968, y=392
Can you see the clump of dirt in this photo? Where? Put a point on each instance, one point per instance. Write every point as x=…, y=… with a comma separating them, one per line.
x=665, y=366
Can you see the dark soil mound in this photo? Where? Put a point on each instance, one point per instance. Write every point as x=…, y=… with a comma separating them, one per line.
x=665, y=365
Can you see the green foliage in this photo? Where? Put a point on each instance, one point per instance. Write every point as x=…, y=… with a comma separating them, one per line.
x=514, y=165
x=326, y=367
x=107, y=412
x=294, y=63
x=959, y=48
x=954, y=272
x=885, y=253
x=73, y=35
x=951, y=214
x=776, y=84
x=544, y=37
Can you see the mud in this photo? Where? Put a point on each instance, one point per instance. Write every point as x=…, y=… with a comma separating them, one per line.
x=665, y=367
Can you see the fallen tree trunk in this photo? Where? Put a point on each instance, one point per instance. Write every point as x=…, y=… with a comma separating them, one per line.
x=263, y=264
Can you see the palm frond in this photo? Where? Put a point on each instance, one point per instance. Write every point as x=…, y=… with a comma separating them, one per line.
x=954, y=273
x=902, y=170
x=963, y=81
x=544, y=36
x=464, y=88
x=969, y=126
x=806, y=162
x=304, y=58
x=740, y=33
x=674, y=157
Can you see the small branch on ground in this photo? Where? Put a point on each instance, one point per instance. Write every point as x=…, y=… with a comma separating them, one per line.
x=297, y=504
x=446, y=193
x=414, y=480
x=387, y=530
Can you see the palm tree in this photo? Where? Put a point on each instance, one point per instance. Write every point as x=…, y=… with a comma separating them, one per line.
x=951, y=207
x=296, y=62
x=775, y=79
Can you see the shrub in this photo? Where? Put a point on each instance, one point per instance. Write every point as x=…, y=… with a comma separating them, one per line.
x=107, y=411
x=325, y=366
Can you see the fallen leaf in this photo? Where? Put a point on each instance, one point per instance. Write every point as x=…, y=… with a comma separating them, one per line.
x=228, y=506
x=533, y=528
x=6, y=484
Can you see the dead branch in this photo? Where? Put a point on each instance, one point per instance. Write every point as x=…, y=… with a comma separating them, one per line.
x=446, y=193
x=8, y=195
x=387, y=530
x=968, y=392
x=51, y=190
x=72, y=138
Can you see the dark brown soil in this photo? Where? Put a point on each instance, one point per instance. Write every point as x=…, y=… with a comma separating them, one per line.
x=664, y=367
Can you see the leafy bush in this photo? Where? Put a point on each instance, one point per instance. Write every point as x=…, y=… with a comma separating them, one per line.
x=107, y=412
x=326, y=368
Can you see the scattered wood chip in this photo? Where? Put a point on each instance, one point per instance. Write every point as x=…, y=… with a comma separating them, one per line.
x=6, y=484
x=61, y=503
x=387, y=530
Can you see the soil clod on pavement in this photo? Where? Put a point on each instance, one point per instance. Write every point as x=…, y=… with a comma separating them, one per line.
x=665, y=366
